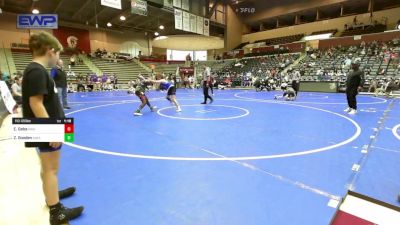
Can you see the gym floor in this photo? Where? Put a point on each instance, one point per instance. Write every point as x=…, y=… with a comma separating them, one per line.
x=245, y=159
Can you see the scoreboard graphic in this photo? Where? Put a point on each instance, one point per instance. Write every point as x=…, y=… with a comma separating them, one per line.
x=43, y=129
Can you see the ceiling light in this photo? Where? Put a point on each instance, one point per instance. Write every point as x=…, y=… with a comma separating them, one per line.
x=156, y=33
x=109, y=24
x=123, y=18
x=161, y=27
x=35, y=11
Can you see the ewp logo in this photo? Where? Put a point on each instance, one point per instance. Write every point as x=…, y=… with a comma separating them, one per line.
x=42, y=21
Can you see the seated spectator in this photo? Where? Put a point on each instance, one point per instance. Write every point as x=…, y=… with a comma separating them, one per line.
x=373, y=86
x=80, y=87
x=386, y=88
x=70, y=88
x=72, y=60
x=16, y=90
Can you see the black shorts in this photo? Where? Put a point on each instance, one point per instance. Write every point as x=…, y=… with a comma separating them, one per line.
x=48, y=149
x=171, y=91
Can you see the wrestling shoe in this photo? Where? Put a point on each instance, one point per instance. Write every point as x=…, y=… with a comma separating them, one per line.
x=347, y=110
x=64, y=215
x=179, y=109
x=353, y=112
x=66, y=192
x=153, y=108
x=203, y=103
x=137, y=113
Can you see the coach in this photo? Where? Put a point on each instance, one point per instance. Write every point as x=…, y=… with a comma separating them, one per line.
x=60, y=78
x=353, y=85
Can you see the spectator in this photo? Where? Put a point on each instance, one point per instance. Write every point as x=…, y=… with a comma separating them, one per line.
x=16, y=90
x=115, y=81
x=60, y=78
x=39, y=100
x=72, y=60
x=373, y=86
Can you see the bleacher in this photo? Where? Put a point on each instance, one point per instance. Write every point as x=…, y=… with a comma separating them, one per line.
x=165, y=68
x=374, y=65
x=216, y=65
x=22, y=59
x=79, y=68
x=282, y=40
x=259, y=65
x=364, y=29
x=125, y=70
x=333, y=31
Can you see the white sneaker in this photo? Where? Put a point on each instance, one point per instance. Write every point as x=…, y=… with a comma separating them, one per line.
x=179, y=110
x=137, y=114
x=347, y=110
x=353, y=112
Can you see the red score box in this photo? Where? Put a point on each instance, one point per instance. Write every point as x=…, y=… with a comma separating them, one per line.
x=68, y=128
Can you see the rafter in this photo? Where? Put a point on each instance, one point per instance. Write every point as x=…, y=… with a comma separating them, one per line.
x=87, y=3
x=58, y=6
x=101, y=11
x=125, y=12
x=210, y=11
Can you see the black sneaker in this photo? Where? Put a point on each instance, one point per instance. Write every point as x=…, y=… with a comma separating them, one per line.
x=66, y=192
x=211, y=101
x=65, y=215
x=67, y=107
x=203, y=103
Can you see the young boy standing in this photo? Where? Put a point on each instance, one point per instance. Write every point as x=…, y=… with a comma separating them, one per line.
x=40, y=100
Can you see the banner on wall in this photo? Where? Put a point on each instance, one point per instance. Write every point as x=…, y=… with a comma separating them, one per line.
x=168, y=3
x=193, y=23
x=186, y=21
x=73, y=39
x=177, y=3
x=200, y=26
x=206, y=27
x=139, y=7
x=178, y=19
x=185, y=5
x=40, y=21
x=112, y=3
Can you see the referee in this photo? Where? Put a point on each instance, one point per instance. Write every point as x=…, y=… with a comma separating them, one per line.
x=206, y=84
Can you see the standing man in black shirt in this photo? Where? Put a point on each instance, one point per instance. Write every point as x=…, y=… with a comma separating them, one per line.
x=60, y=78
x=40, y=100
x=353, y=86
